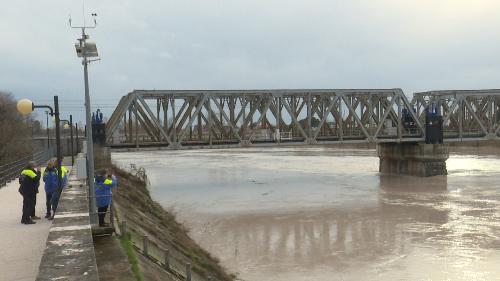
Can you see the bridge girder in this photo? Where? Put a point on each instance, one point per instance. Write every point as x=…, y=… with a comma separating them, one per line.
x=467, y=114
x=264, y=117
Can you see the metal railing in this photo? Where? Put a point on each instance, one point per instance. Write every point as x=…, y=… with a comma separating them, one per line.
x=180, y=269
x=109, y=211
x=10, y=171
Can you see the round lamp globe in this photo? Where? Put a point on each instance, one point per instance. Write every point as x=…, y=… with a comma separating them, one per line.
x=25, y=106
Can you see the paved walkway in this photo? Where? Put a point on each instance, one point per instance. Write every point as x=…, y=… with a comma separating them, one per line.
x=21, y=245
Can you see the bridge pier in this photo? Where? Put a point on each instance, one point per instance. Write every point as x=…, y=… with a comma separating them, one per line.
x=175, y=146
x=416, y=159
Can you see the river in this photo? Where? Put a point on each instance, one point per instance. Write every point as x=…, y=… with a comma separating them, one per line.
x=323, y=213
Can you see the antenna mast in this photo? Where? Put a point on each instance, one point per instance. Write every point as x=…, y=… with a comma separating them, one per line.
x=86, y=50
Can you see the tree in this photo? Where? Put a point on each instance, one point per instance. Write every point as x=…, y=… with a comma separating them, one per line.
x=15, y=131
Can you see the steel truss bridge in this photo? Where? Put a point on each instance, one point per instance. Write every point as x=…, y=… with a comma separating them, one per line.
x=222, y=118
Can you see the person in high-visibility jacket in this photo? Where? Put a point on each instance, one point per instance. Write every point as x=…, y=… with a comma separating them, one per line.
x=104, y=182
x=29, y=181
x=54, y=201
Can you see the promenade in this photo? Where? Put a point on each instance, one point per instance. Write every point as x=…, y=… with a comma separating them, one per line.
x=22, y=245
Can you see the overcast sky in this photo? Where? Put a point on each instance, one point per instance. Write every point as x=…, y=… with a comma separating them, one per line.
x=415, y=45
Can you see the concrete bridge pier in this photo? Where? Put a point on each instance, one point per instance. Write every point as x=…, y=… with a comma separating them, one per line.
x=415, y=159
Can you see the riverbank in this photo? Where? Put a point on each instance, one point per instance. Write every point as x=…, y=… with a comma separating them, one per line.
x=133, y=204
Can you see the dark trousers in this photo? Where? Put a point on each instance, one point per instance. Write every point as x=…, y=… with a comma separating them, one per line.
x=28, y=207
x=48, y=198
x=54, y=200
x=102, y=213
x=33, y=207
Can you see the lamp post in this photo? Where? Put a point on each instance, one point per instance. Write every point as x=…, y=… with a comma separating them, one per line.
x=25, y=106
x=70, y=126
x=48, y=134
x=77, y=139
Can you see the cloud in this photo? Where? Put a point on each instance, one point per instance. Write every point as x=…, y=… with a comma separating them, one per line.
x=222, y=44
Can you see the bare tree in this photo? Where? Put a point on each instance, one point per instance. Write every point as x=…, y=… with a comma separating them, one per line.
x=15, y=131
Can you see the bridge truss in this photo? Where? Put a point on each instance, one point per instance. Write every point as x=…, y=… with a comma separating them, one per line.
x=467, y=114
x=180, y=118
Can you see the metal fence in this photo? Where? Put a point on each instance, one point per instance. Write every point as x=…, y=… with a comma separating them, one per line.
x=177, y=268
x=10, y=171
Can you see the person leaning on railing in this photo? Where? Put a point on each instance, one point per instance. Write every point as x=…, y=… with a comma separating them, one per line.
x=104, y=182
x=29, y=181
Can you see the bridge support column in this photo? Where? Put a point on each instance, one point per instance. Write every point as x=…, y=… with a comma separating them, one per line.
x=245, y=143
x=310, y=141
x=416, y=159
x=175, y=146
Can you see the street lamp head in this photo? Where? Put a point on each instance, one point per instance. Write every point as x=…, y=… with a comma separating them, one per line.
x=25, y=106
x=66, y=126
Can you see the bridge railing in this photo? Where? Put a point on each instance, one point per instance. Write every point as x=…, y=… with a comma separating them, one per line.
x=10, y=171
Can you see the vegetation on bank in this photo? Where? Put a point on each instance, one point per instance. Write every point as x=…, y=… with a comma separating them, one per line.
x=15, y=136
x=161, y=226
x=132, y=258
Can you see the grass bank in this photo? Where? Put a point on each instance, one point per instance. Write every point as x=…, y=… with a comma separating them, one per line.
x=133, y=203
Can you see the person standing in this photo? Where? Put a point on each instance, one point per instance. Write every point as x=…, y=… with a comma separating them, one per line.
x=50, y=179
x=104, y=182
x=54, y=201
x=29, y=182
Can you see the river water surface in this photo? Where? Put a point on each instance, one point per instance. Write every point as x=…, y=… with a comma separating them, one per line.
x=324, y=213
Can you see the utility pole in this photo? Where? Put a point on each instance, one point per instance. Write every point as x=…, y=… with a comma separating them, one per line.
x=87, y=50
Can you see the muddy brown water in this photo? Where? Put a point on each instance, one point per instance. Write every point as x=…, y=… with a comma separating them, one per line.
x=321, y=213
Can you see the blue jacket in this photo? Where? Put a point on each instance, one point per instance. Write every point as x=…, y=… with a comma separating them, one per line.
x=103, y=186
x=50, y=179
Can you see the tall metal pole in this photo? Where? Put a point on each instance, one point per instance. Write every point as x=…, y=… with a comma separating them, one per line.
x=48, y=135
x=77, y=139
x=58, y=144
x=90, y=147
x=71, y=130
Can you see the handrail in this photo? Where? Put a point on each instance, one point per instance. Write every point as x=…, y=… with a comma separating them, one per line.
x=10, y=171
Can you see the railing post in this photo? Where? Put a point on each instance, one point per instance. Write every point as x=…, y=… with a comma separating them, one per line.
x=124, y=228
x=145, y=246
x=112, y=216
x=167, y=259
x=188, y=272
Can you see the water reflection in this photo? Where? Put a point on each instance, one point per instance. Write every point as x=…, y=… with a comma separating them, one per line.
x=411, y=221
x=336, y=238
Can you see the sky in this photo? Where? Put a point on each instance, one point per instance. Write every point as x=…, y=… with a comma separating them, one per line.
x=416, y=45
